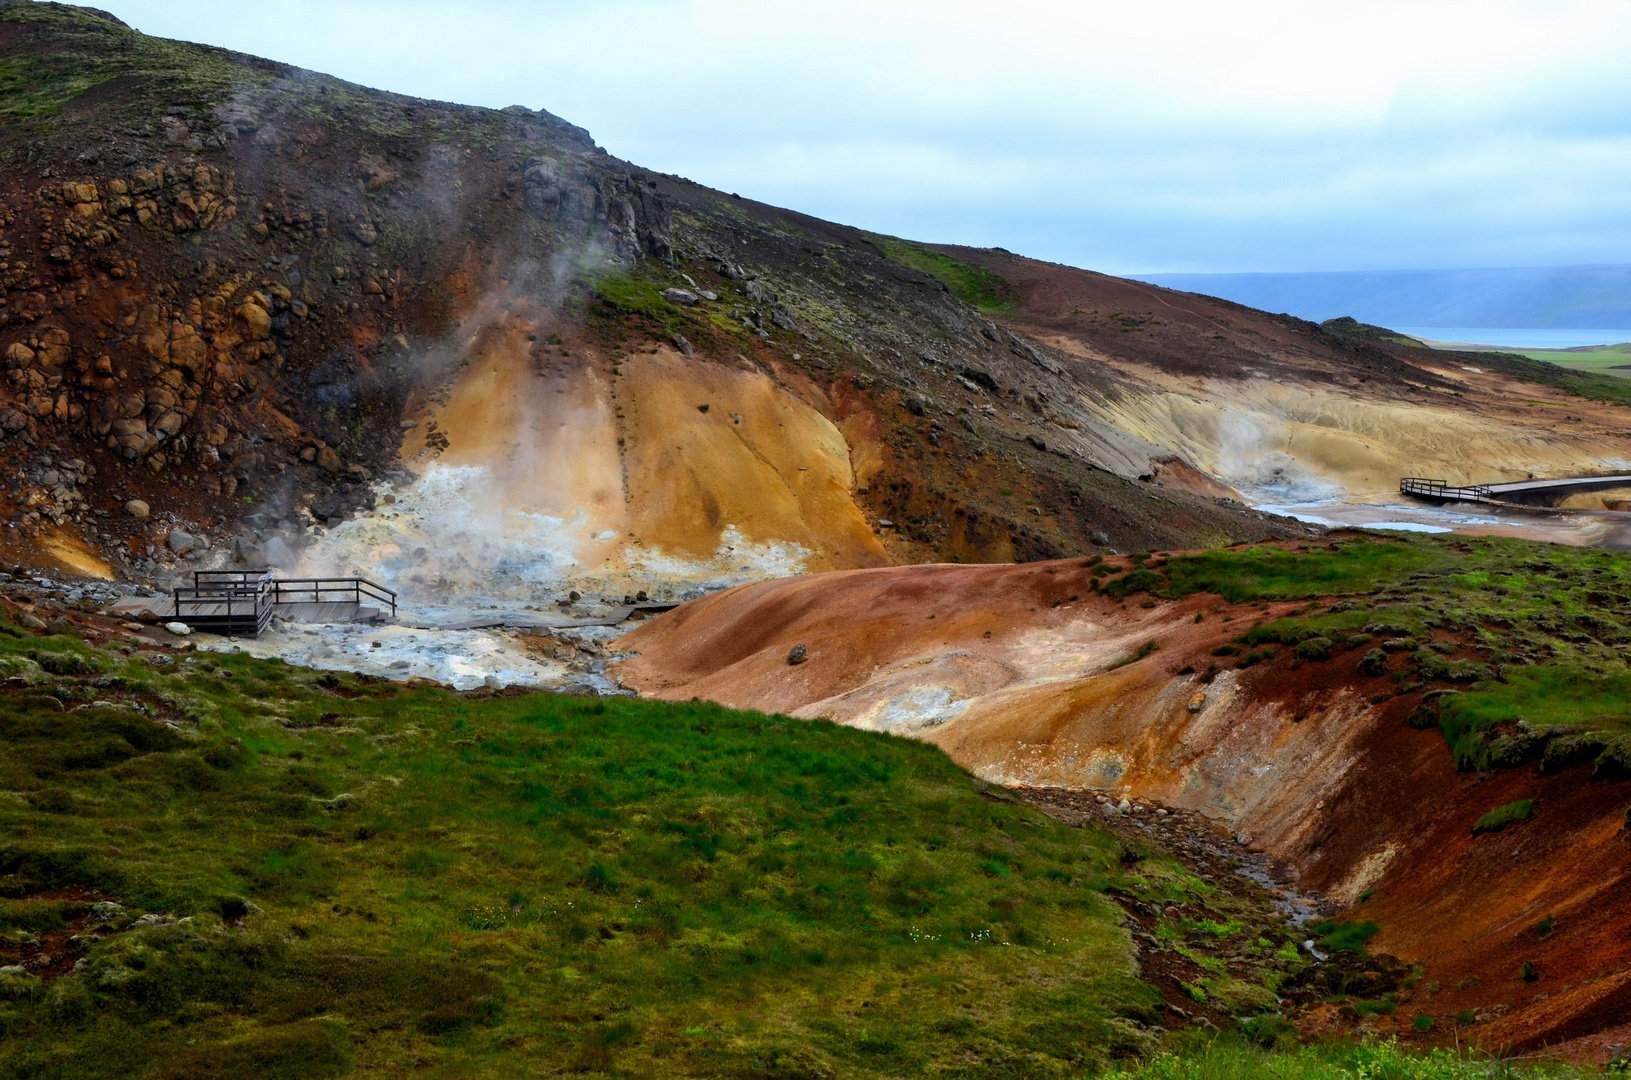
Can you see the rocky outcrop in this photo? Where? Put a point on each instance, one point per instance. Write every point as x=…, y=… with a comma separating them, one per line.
x=625, y=212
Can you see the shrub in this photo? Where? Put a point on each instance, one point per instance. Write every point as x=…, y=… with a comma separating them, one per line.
x=1373, y=663
x=1502, y=816
x=1422, y=1023
x=1314, y=648
x=1345, y=936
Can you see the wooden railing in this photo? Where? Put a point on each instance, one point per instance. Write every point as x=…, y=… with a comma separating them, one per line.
x=226, y=599
x=1440, y=489
x=331, y=591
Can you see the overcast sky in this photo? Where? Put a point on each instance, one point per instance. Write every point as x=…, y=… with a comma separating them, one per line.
x=1144, y=136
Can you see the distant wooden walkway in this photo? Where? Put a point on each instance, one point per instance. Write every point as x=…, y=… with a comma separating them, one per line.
x=244, y=601
x=1520, y=492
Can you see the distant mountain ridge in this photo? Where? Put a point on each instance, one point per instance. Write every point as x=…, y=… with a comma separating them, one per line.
x=1558, y=297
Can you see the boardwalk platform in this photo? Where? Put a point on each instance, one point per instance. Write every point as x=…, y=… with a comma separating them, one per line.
x=1523, y=492
x=242, y=602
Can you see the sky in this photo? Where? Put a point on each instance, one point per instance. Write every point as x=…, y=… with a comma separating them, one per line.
x=1157, y=136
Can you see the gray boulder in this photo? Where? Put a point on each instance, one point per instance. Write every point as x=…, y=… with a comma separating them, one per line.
x=681, y=297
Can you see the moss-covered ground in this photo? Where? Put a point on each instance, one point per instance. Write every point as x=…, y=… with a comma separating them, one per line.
x=1520, y=648
x=971, y=284
x=317, y=874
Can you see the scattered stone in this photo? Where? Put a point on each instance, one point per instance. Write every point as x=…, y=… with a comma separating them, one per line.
x=328, y=459
x=137, y=509
x=683, y=345
x=180, y=629
x=180, y=541
x=798, y=654
x=681, y=297
x=702, y=408
x=1098, y=538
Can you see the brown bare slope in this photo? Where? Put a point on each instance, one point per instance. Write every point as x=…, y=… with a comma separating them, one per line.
x=1025, y=677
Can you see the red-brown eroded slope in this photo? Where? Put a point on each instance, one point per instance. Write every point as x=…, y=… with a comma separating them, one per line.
x=1016, y=671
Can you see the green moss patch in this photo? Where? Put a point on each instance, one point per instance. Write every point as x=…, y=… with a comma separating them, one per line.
x=344, y=873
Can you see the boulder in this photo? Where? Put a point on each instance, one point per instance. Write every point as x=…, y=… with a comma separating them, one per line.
x=32, y=621
x=180, y=541
x=798, y=654
x=683, y=345
x=179, y=628
x=137, y=509
x=759, y=293
x=681, y=297
x=328, y=459
x=257, y=321
x=274, y=552
x=53, y=351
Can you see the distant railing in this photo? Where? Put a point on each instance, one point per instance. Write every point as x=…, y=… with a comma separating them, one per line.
x=1424, y=488
x=242, y=601
x=230, y=599
x=331, y=591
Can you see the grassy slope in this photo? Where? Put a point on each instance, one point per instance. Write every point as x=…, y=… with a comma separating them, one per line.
x=1542, y=629
x=456, y=883
x=971, y=284
x=86, y=52
x=460, y=883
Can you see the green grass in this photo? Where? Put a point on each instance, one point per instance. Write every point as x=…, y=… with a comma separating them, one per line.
x=1609, y=360
x=1582, y=374
x=1502, y=816
x=1532, y=637
x=1345, y=936
x=71, y=52
x=1273, y=573
x=467, y=883
x=971, y=284
x=1223, y=1058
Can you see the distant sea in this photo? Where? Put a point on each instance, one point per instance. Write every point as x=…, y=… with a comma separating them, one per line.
x=1551, y=299
x=1505, y=337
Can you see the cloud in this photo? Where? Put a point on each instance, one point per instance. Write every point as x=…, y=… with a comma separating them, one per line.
x=1268, y=134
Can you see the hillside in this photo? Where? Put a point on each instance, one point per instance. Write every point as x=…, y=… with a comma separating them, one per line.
x=219, y=866
x=1173, y=764
x=254, y=298
x=1353, y=708
x=234, y=287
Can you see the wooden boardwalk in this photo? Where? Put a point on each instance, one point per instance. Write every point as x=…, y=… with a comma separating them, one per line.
x=1520, y=492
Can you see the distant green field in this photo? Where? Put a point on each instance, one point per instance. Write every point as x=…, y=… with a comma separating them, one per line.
x=1604, y=359
x=1599, y=360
